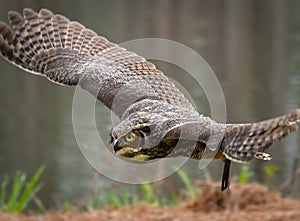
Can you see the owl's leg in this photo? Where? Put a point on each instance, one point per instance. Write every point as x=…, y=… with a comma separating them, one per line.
x=225, y=177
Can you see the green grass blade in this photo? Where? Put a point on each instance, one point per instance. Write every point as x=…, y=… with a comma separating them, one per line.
x=125, y=197
x=30, y=190
x=113, y=200
x=89, y=205
x=185, y=179
x=245, y=174
x=3, y=192
x=191, y=192
x=18, y=183
x=22, y=205
x=68, y=206
x=175, y=199
x=149, y=195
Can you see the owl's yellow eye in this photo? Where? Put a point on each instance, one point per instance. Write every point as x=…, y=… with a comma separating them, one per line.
x=130, y=137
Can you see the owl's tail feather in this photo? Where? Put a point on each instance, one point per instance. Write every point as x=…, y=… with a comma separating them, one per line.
x=43, y=43
x=242, y=142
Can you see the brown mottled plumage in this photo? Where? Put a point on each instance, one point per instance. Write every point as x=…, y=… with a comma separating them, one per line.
x=156, y=119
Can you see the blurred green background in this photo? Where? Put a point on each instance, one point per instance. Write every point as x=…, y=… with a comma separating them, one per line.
x=253, y=46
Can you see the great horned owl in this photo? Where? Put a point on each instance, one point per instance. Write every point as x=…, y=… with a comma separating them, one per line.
x=157, y=121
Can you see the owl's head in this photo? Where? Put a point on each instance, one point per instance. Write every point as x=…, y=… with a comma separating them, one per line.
x=139, y=137
x=133, y=143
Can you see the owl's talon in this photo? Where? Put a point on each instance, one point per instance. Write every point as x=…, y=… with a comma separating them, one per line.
x=262, y=156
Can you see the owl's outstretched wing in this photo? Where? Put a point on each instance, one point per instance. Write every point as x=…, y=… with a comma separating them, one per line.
x=68, y=53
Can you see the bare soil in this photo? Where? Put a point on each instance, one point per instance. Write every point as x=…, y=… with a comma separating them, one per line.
x=243, y=202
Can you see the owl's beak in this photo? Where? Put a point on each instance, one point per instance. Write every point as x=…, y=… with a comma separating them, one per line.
x=116, y=146
x=125, y=149
x=129, y=152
